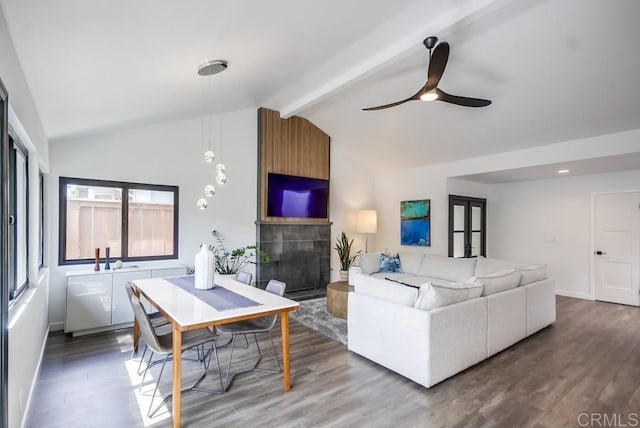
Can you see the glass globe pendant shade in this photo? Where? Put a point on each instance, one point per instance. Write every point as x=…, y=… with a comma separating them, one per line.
x=221, y=168
x=209, y=156
x=209, y=190
x=202, y=203
x=221, y=178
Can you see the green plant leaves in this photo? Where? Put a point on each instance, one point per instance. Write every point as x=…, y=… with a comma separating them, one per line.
x=230, y=262
x=343, y=248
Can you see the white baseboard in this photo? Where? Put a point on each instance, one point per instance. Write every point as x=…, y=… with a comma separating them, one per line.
x=55, y=326
x=101, y=329
x=574, y=295
x=35, y=378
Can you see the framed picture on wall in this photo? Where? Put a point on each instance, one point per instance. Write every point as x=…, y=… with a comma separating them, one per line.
x=415, y=223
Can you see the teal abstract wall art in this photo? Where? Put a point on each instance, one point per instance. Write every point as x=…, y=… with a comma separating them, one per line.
x=415, y=223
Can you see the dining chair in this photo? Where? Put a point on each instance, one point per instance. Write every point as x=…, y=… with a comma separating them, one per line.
x=163, y=345
x=160, y=324
x=262, y=325
x=244, y=277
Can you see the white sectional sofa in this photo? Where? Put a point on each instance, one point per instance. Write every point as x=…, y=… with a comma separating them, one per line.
x=455, y=329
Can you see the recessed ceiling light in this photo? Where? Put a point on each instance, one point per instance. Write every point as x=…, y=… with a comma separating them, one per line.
x=563, y=171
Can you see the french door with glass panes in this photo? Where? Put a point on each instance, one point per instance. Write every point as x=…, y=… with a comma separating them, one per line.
x=467, y=226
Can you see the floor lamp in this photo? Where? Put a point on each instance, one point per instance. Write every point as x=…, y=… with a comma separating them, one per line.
x=366, y=222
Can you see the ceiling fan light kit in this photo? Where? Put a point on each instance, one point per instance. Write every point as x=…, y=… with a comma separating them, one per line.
x=438, y=57
x=429, y=96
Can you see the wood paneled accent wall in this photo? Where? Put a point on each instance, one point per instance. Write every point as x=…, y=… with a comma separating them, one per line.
x=291, y=146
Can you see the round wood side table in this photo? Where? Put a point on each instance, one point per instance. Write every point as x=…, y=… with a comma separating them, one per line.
x=337, y=298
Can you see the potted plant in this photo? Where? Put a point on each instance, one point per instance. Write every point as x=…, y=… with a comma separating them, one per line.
x=343, y=248
x=231, y=261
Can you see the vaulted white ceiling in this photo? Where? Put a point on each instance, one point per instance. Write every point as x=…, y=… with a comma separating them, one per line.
x=555, y=70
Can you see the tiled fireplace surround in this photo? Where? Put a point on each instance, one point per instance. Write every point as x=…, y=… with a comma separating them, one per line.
x=300, y=256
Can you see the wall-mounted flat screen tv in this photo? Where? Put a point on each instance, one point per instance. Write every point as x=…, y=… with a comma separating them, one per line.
x=293, y=196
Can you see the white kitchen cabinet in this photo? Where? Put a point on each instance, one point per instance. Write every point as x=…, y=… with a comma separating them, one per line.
x=120, y=306
x=98, y=301
x=88, y=302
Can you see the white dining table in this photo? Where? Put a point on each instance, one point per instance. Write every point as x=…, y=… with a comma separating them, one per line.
x=188, y=312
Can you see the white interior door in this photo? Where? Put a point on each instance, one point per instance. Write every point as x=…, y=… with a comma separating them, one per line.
x=617, y=248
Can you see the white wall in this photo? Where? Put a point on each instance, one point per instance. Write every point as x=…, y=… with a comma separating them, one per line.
x=456, y=186
x=549, y=221
x=436, y=182
x=351, y=190
x=27, y=315
x=20, y=97
x=169, y=153
x=28, y=329
x=413, y=184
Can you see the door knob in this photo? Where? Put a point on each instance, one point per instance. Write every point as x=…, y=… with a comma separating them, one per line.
x=599, y=253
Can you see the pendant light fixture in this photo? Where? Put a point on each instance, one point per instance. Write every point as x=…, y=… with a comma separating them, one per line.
x=209, y=69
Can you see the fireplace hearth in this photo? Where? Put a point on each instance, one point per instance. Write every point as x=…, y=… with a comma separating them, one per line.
x=300, y=257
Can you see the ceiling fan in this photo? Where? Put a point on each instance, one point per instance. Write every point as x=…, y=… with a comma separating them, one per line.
x=430, y=90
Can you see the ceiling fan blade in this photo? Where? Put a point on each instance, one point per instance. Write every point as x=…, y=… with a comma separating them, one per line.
x=397, y=103
x=461, y=101
x=437, y=64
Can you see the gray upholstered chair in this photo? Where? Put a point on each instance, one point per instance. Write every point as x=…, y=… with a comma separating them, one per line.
x=262, y=325
x=163, y=345
x=160, y=324
x=244, y=277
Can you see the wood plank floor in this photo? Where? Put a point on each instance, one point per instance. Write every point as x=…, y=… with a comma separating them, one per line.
x=588, y=362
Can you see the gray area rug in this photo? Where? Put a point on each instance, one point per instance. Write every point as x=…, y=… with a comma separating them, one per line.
x=313, y=313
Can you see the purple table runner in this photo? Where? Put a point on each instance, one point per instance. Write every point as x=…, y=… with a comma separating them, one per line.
x=219, y=297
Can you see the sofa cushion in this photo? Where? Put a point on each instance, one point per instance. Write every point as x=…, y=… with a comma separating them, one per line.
x=410, y=262
x=370, y=262
x=431, y=296
x=487, y=266
x=541, y=304
x=506, y=319
x=385, y=290
x=390, y=264
x=449, y=268
x=411, y=280
x=532, y=273
x=498, y=281
x=393, y=276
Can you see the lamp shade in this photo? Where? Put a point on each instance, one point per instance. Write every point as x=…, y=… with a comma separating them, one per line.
x=367, y=221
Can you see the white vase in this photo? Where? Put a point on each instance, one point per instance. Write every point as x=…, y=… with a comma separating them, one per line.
x=205, y=267
x=344, y=275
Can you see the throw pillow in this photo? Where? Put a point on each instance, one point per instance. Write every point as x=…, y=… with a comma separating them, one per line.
x=370, y=262
x=499, y=281
x=532, y=273
x=431, y=296
x=390, y=264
